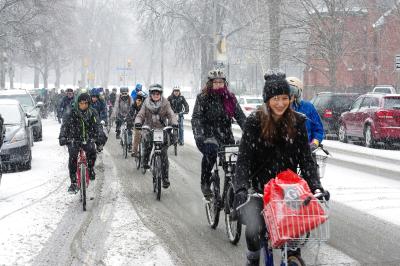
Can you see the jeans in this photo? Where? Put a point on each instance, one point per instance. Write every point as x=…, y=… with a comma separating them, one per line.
x=180, y=123
x=73, y=150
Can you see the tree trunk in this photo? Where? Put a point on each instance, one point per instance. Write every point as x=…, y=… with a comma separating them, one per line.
x=11, y=75
x=162, y=59
x=58, y=73
x=36, y=76
x=275, y=33
x=2, y=74
x=45, y=73
x=82, y=83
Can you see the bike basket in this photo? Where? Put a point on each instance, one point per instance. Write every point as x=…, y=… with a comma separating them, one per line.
x=231, y=153
x=293, y=222
x=158, y=135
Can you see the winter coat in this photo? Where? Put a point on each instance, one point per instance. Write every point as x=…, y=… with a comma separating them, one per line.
x=65, y=106
x=209, y=119
x=178, y=104
x=83, y=126
x=314, y=126
x=133, y=111
x=121, y=108
x=261, y=160
x=101, y=108
x=156, y=116
x=2, y=130
x=112, y=98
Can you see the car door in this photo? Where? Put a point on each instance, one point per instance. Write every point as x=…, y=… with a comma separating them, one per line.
x=361, y=116
x=350, y=117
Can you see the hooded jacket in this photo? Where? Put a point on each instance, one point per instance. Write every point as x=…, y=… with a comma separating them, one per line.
x=156, y=115
x=259, y=160
x=121, y=108
x=314, y=126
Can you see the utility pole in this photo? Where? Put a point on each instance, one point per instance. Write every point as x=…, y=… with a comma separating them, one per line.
x=162, y=59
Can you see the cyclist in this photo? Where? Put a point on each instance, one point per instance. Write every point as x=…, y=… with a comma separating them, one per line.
x=121, y=109
x=180, y=107
x=156, y=113
x=274, y=139
x=135, y=92
x=79, y=126
x=212, y=118
x=314, y=126
x=111, y=101
x=66, y=103
x=133, y=111
x=98, y=104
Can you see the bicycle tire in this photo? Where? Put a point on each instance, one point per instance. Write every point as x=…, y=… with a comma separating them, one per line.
x=176, y=149
x=125, y=145
x=233, y=228
x=212, y=205
x=157, y=176
x=138, y=157
x=83, y=171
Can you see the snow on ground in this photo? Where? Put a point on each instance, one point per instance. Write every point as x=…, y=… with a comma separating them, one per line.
x=33, y=202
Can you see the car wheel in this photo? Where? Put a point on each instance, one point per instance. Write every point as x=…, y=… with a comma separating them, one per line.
x=368, y=138
x=342, y=133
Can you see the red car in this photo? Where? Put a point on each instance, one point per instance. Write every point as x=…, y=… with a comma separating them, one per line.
x=372, y=118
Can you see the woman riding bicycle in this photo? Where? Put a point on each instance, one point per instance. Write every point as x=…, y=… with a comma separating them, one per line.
x=133, y=111
x=212, y=119
x=274, y=139
x=156, y=113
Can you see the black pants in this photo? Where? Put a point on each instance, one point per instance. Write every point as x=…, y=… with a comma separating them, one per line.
x=73, y=150
x=118, y=123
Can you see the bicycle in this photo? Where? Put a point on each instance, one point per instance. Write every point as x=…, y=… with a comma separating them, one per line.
x=227, y=159
x=317, y=235
x=126, y=139
x=82, y=171
x=159, y=139
x=138, y=156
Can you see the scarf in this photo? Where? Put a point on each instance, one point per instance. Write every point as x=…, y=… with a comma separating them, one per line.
x=228, y=98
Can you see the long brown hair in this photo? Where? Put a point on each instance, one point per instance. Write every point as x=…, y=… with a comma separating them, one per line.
x=207, y=87
x=272, y=130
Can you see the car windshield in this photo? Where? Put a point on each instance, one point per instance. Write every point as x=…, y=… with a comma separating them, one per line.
x=384, y=90
x=392, y=103
x=254, y=101
x=24, y=99
x=10, y=114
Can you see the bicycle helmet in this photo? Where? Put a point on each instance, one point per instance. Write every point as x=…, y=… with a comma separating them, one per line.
x=216, y=74
x=296, y=87
x=94, y=92
x=155, y=87
x=176, y=88
x=124, y=90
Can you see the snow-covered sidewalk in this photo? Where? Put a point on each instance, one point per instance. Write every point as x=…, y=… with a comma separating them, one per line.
x=33, y=203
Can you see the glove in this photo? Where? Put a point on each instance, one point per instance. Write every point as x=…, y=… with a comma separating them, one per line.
x=326, y=193
x=314, y=144
x=99, y=148
x=63, y=141
x=175, y=126
x=138, y=125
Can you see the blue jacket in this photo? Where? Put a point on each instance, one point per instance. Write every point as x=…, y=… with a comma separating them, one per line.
x=101, y=108
x=314, y=126
x=135, y=92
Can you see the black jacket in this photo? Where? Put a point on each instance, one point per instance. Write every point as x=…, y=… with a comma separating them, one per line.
x=82, y=126
x=209, y=119
x=65, y=106
x=178, y=104
x=262, y=161
x=133, y=111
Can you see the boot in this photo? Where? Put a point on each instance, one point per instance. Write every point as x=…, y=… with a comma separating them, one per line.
x=253, y=258
x=118, y=134
x=165, y=182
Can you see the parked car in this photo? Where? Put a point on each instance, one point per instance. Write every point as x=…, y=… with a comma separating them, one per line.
x=16, y=149
x=330, y=106
x=29, y=106
x=249, y=103
x=384, y=89
x=372, y=118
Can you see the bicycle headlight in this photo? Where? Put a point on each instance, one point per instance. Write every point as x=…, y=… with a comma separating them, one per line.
x=19, y=136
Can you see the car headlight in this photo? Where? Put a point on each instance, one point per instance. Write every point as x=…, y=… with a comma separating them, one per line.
x=19, y=136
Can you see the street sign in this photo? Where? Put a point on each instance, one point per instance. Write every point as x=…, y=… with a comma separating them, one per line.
x=397, y=62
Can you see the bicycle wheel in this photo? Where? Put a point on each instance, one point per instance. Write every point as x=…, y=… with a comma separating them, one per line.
x=233, y=227
x=83, y=185
x=212, y=204
x=125, y=145
x=176, y=149
x=142, y=157
x=157, y=177
x=138, y=157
